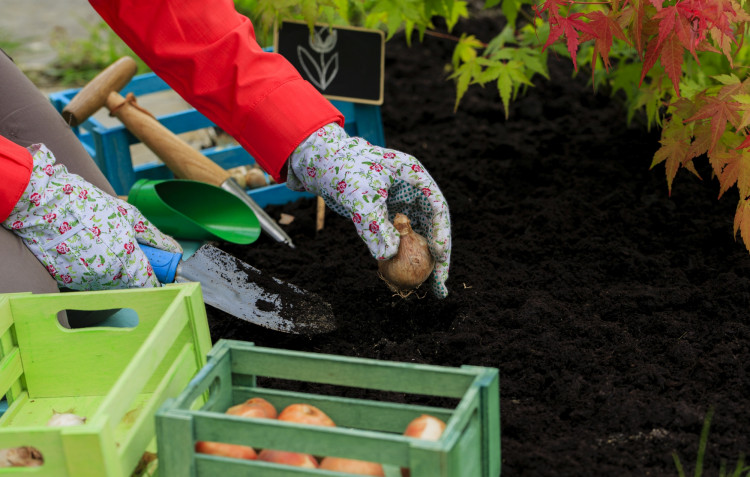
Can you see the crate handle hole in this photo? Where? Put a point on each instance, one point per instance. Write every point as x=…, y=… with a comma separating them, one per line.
x=21, y=456
x=112, y=317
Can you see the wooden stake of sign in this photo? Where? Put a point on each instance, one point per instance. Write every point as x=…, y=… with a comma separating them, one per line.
x=321, y=215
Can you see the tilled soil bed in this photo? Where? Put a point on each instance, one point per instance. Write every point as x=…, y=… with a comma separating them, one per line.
x=616, y=314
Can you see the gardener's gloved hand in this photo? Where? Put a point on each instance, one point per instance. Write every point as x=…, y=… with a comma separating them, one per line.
x=83, y=236
x=370, y=184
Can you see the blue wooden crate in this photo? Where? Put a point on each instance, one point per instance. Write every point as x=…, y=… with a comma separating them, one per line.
x=110, y=146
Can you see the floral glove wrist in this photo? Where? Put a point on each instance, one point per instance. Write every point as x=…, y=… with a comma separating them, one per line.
x=371, y=184
x=83, y=236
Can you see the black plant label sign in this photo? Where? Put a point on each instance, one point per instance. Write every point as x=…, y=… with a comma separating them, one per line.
x=343, y=63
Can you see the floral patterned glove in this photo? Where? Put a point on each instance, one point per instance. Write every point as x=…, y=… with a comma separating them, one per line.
x=83, y=236
x=371, y=185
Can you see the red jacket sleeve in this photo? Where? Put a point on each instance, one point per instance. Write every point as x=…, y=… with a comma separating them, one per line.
x=15, y=163
x=206, y=51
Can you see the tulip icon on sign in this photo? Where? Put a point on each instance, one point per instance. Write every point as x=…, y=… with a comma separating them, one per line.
x=320, y=72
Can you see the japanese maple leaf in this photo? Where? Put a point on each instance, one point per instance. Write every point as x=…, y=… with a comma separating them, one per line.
x=674, y=36
x=742, y=216
x=742, y=221
x=721, y=18
x=671, y=60
x=674, y=150
x=705, y=15
x=675, y=20
x=603, y=29
x=570, y=27
x=720, y=110
x=727, y=164
x=636, y=20
x=551, y=6
x=657, y=4
x=701, y=140
x=745, y=144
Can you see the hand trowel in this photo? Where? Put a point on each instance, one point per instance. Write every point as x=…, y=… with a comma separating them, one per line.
x=243, y=291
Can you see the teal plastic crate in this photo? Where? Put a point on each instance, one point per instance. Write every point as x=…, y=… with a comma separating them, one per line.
x=110, y=146
x=366, y=429
x=117, y=377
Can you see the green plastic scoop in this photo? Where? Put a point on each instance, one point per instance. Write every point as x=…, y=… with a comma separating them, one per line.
x=193, y=210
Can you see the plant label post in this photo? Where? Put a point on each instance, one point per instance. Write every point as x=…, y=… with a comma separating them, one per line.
x=343, y=63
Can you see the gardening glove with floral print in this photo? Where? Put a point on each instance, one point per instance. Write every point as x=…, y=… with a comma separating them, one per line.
x=371, y=184
x=83, y=236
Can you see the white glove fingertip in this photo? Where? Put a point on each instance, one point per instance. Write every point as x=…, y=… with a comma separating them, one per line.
x=439, y=277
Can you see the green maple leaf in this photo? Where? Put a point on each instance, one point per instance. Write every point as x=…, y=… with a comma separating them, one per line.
x=395, y=12
x=465, y=64
x=510, y=9
x=509, y=75
x=309, y=10
x=454, y=12
x=464, y=76
x=466, y=50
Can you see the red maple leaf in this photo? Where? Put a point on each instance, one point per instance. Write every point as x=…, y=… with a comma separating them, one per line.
x=742, y=222
x=550, y=6
x=714, y=15
x=684, y=26
x=674, y=35
x=720, y=110
x=637, y=26
x=745, y=143
x=671, y=60
x=728, y=163
x=569, y=26
x=603, y=29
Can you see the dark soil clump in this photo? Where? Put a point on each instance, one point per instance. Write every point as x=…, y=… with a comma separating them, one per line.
x=616, y=315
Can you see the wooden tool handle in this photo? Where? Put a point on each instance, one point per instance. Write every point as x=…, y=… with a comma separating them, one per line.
x=183, y=160
x=92, y=96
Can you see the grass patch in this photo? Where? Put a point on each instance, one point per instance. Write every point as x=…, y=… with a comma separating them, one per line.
x=740, y=469
x=7, y=44
x=78, y=61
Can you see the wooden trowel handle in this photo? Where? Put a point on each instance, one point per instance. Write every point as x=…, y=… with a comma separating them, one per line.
x=182, y=159
x=92, y=96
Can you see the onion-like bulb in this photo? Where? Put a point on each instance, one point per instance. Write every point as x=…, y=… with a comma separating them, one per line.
x=63, y=419
x=24, y=456
x=412, y=264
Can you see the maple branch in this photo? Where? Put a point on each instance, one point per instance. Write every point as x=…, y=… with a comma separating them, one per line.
x=446, y=36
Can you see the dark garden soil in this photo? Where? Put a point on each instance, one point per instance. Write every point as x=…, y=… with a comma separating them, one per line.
x=616, y=315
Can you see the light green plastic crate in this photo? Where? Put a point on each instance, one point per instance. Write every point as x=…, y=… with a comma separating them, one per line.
x=366, y=429
x=116, y=377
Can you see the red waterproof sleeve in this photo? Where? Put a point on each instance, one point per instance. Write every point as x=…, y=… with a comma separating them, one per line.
x=15, y=163
x=206, y=51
